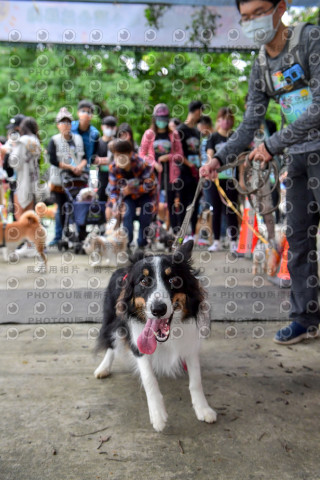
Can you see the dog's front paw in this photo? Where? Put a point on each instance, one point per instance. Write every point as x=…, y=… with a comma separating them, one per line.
x=206, y=414
x=102, y=372
x=159, y=419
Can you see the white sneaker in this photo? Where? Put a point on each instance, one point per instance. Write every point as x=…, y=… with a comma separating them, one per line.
x=187, y=238
x=215, y=247
x=26, y=251
x=233, y=246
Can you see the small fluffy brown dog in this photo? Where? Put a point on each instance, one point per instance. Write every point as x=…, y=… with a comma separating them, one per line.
x=28, y=227
x=204, y=224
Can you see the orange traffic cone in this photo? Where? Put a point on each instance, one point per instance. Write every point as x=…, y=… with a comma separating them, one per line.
x=283, y=273
x=247, y=239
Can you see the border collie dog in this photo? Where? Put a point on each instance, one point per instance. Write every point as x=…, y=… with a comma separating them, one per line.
x=155, y=308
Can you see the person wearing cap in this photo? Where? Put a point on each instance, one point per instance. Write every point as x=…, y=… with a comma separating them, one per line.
x=189, y=171
x=103, y=156
x=15, y=122
x=66, y=152
x=161, y=148
x=88, y=132
x=12, y=128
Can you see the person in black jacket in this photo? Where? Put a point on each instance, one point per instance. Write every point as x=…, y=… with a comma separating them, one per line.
x=103, y=156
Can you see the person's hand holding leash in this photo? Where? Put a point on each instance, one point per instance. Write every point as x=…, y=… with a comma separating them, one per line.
x=260, y=154
x=210, y=169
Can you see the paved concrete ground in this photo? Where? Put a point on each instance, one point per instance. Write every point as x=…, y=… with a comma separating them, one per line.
x=59, y=423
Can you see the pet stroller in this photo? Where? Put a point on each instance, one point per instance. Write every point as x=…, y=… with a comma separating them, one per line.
x=78, y=213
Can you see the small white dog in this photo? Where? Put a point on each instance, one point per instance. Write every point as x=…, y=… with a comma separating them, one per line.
x=105, y=249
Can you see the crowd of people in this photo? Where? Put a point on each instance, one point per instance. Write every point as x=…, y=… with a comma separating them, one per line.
x=163, y=171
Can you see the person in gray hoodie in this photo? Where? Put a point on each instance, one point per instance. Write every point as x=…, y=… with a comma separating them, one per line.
x=291, y=76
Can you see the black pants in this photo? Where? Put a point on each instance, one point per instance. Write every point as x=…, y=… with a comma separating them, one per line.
x=302, y=205
x=61, y=199
x=213, y=197
x=186, y=197
x=103, y=179
x=175, y=218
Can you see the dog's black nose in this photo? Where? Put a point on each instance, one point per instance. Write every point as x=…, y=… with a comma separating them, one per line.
x=159, y=309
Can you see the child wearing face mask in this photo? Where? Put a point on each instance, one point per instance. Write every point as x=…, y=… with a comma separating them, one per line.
x=224, y=125
x=133, y=181
x=103, y=156
x=162, y=149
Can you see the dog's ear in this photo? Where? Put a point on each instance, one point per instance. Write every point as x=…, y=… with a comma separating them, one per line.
x=183, y=254
x=136, y=256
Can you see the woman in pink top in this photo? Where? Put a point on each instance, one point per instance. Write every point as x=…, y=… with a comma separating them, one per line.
x=162, y=149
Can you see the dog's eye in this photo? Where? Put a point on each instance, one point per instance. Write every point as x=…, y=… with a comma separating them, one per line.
x=146, y=282
x=176, y=282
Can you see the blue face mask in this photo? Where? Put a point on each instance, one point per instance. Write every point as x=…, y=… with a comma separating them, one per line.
x=261, y=30
x=162, y=122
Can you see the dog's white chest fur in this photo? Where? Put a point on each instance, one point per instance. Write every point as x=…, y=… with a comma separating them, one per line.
x=168, y=356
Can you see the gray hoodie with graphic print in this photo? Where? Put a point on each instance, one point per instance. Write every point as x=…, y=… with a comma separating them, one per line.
x=303, y=135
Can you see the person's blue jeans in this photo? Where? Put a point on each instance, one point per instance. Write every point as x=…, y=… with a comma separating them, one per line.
x=58, y=226
x=145, y=217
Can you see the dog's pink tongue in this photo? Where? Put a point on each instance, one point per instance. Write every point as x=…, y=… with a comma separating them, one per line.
x=147, y=342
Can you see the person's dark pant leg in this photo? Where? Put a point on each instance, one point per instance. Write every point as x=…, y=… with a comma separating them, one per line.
x=146, y=213
x=103, y=179
x=232, y=218
x=207, y=193
x=302, y=221
x=174, y=217
x=61, y=199
x=275, y=200
x=217, y=210
x=130, y=211
x=184, y=200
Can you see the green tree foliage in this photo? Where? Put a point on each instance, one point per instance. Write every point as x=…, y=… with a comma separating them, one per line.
x=38, y=81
